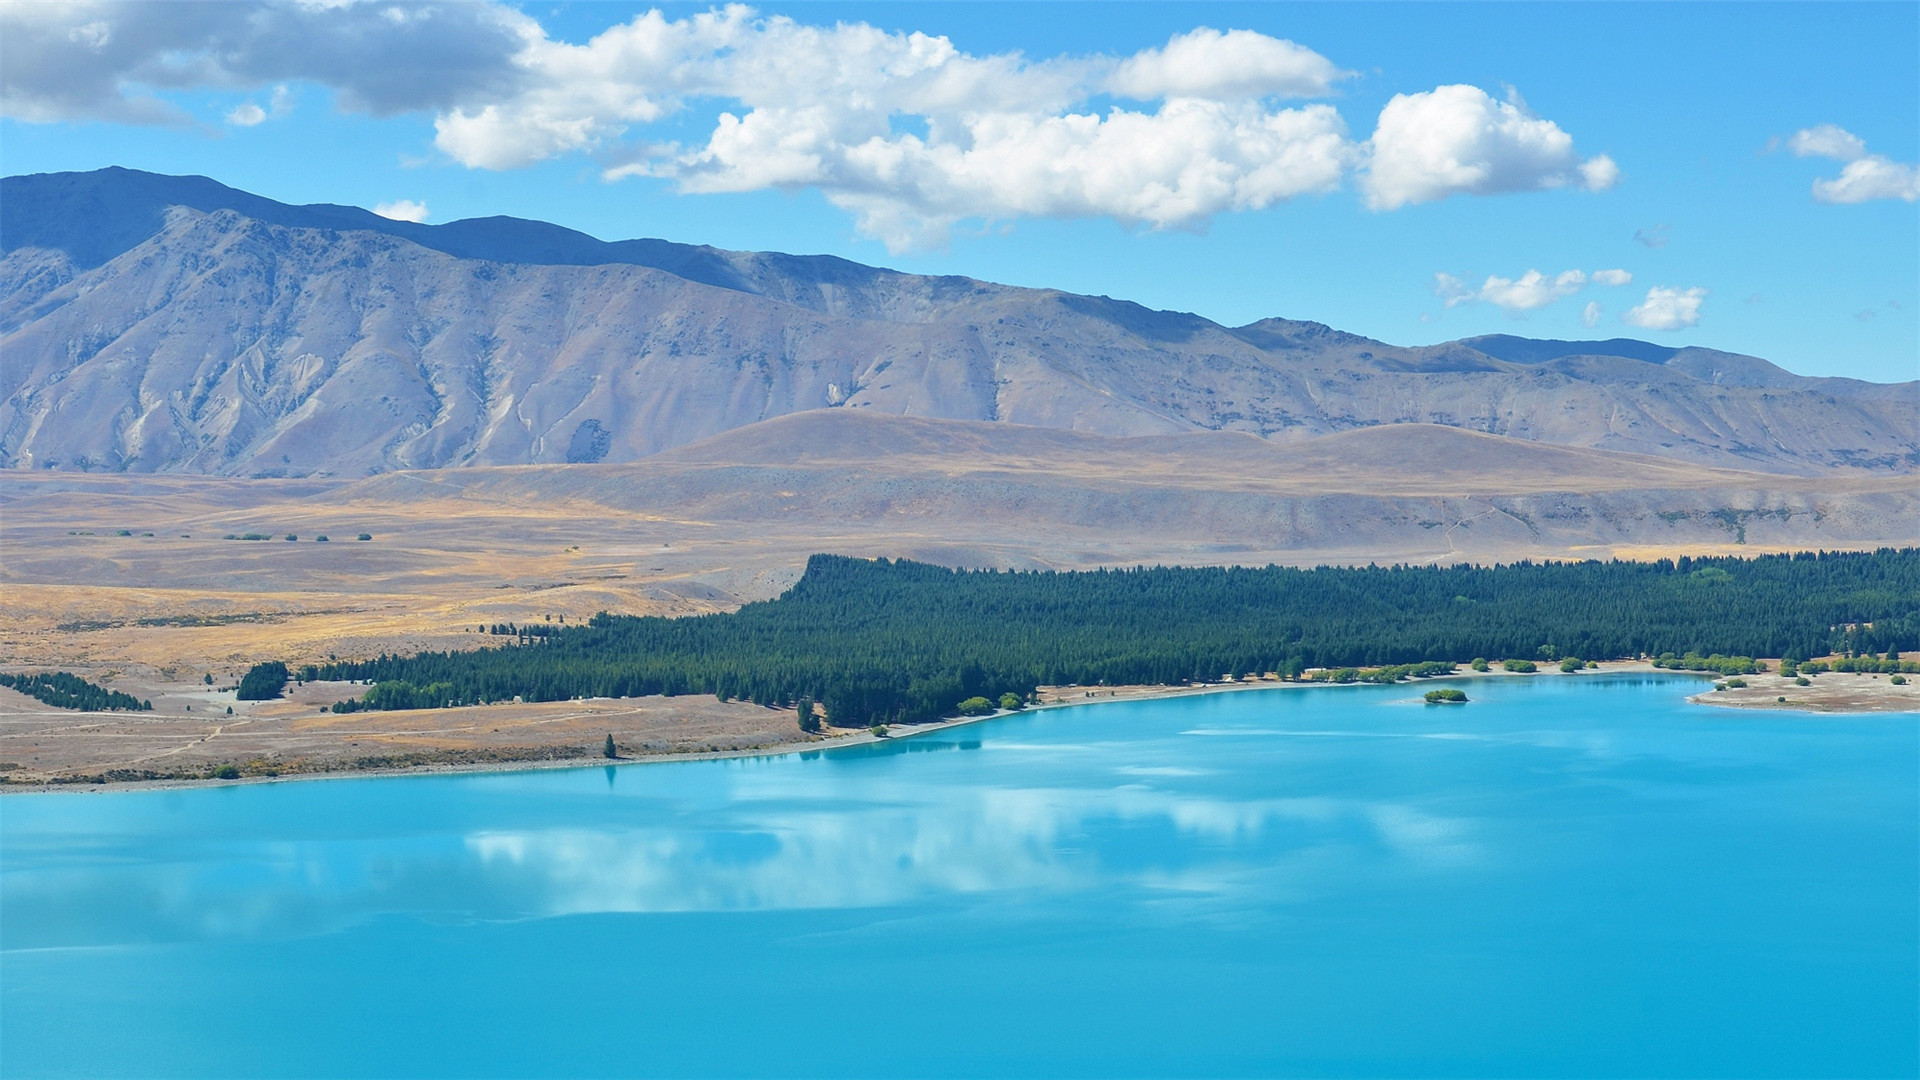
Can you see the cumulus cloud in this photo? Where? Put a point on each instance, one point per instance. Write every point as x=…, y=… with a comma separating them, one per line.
x=992, y=137
x=402, y=210
x=1865, y=177
x=1528, y=292
x=1666, y=309
x=1231, y=66
x=1456, y=140
x=904, y=130
x=1590, y=315
x=1869, y=178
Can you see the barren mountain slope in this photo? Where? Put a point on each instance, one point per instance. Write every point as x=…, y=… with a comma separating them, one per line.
x=1402, y=491
x=169, y=324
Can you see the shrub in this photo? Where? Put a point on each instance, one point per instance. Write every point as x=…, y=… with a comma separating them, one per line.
x=1571, y=665
x=1802, y=680
x=1010, y=701
x=878, y=731
x=1446, y=697
x=364, y=536
x=975, y=706
x=1736, y=684
x=1523, y=667
x=291, y=537
x=321, y=539
x=227, y=772
x=1480, y=663
x=1898, y=680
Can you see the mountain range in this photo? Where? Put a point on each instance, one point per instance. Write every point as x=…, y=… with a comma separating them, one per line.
x=171, y=324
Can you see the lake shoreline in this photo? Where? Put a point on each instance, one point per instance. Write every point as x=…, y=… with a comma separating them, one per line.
x=1756, y=697
x=1052, y=698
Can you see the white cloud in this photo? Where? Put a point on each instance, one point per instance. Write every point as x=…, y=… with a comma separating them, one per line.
x=1528, y=292
x=249, y=114
x=1827, y=141
x=1666, y=309
x=1590, y=315
x=1170, y=168
x=999, y=136
x=1531, y=290
x=1866, y=177
x=402, y=210
x=1457, y=140
x=246, y=114
x=903, y=129
x=1871, y=177
x=1237, y=65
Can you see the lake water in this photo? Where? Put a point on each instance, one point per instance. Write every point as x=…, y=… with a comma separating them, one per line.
x=1567, y=877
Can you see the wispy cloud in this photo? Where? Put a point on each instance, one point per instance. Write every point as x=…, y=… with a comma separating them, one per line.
x=250, y=114
x=1655, y=236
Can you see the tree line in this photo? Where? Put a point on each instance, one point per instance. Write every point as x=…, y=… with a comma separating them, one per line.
x=884, y=641
x=67, y=691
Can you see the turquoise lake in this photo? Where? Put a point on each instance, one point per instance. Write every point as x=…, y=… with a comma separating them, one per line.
x=1568, y=877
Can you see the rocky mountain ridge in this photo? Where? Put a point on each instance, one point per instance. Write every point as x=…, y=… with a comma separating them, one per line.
x=171, y=324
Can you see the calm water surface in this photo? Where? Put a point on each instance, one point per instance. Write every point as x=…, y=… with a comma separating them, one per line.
x=1568, y=877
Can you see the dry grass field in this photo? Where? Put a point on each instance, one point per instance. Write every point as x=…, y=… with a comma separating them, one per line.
x=189, y=733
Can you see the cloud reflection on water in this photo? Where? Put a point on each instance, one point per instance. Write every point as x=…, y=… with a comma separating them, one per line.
x=1055, y=839
x=765, y=846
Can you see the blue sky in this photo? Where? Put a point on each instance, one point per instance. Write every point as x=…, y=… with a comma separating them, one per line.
x=1736, y=176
